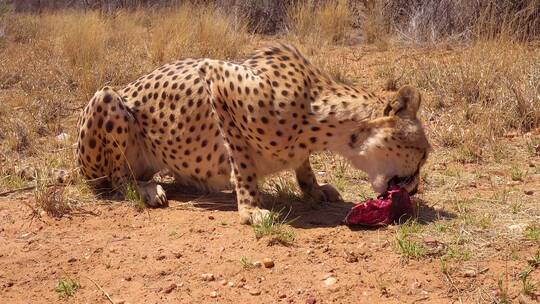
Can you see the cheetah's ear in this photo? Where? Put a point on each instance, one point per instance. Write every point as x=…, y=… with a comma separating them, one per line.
x=405, y=104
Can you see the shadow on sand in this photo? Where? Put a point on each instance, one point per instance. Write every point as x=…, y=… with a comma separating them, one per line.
x=304, y=214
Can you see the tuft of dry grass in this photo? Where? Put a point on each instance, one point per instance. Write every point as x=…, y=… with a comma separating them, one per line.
x=83, y=43
x=84, y=39
x=323, y=23
x=199, y=31
x=52, y=200
x=21, y=28
x=275, y=229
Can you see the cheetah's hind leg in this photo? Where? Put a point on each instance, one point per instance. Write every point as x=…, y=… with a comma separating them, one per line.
x=110, y=150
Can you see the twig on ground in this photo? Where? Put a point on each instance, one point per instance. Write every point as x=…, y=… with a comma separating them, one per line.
x=6, y=193
x=100, y=288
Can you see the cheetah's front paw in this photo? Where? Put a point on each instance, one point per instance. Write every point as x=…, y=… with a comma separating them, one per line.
x=325, y=193
x=330, y=193
x=152, y=194
x=252, y=215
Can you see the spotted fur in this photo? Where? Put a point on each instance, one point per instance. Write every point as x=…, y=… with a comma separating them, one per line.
x=210, y=122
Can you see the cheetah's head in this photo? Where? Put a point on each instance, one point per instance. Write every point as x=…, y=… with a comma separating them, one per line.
x=395, y=147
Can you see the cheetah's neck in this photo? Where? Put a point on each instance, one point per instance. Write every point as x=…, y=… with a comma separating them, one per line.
x=345, y=113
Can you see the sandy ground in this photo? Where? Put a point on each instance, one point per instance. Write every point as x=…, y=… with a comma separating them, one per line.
x=160, y=256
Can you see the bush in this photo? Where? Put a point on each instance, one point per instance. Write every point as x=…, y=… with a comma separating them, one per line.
x=441, y=20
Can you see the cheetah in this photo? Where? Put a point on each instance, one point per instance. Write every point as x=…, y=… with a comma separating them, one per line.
x=218, y=125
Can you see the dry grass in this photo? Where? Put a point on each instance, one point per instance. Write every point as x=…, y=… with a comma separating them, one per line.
x=84, y=39
x=197, y=31
x=52, y=201
x=320, y=23
x=471, y=87
x=373, y=23
x=450, y=21
x=474, y=96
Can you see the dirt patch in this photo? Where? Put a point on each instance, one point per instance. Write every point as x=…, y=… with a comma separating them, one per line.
x=162, y=255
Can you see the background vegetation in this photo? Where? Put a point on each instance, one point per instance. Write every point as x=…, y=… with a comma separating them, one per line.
x=476, y=62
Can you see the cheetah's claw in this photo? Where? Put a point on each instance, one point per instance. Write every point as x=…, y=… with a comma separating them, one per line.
x=153, y=194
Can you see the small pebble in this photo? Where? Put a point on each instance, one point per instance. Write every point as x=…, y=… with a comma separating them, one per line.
x=211, y=217
x=268, y=263
x=350, y=257
x=330, y=281
x=469, y=273
x=257, y=264
x=62, y=137
x=230, y=284
x=223, y=282
x=311, y=300
x=518, y=228
x=161, y=257
x=254, y=292
x=208, y=277
x=72, y=260
x=214, y=294
x=528, y=192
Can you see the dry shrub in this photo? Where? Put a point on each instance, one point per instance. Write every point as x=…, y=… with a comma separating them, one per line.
x=512, y=20
x=52, y=200
x=218, y=35
x=199, y=31
x=84, y=37
x=373, y=22
x=168, y=34
x=487, y=90
x=128, y=28
x=263, y=16
x=323, y=23
x=83, y=43
x=20, y=138
x=337, y=66
x=21, y=28
x=435, y=21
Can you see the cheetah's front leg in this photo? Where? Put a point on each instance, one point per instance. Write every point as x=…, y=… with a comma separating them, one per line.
x=244, y=177
x=243, y=167
x=311, y=189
